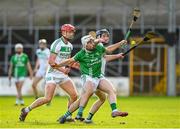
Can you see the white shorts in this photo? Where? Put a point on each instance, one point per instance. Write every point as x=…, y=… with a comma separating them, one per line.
x=40, y=73
x=19, y=79
x=94, y=80
x=56, y=78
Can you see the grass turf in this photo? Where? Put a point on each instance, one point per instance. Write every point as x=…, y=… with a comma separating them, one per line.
x=144, y=112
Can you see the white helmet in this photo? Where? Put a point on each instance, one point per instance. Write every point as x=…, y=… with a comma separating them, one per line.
x=18, y=45
x=42, y=41
x=85, y=39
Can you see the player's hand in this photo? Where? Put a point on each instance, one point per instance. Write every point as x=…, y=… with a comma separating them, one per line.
x=54, y=66
x=123, y=42
x=9, y=82
x=9, y=77
x=35, y=70
x=120, y=56
x=75, y=65
x=31, y=77
x=100, y=40
x=67, y=70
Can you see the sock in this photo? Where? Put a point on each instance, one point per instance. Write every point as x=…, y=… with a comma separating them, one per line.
x=36, y=97
x=68, y=113
x=27, y=109
x=80, y=111
x=90, y=116
x=113, y=107
x=21, y=101
x=17, y=101
x=69, y=117
x=114, y=110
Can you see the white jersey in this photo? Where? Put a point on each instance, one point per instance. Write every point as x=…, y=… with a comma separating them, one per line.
x=103, y=65
x=43, y=56
x=63, y=51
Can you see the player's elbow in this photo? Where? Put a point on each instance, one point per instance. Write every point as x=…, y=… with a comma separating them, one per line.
x=108, y=50
x=51, y=62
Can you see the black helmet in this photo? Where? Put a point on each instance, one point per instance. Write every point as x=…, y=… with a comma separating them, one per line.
x=102, y=31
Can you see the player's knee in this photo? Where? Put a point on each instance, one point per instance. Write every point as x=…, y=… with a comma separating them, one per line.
x=103, y=98
x=48, y=99
x=34, y=85
x=89, y=93
x=112, y=92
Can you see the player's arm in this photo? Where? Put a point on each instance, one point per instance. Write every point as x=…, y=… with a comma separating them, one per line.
x=54, y=65
x=76, y=58
x=48, y=55
x=10, y=71
x=74, y=65
x=113, y=57
x=36, y=66
x=64, y=63
x=100, y=40
x=115, y=46
x=30, y=70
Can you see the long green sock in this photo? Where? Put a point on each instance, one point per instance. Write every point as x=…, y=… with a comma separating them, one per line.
x=90, y=116
x=113, y=106
x=68, y=113
x=80, y=111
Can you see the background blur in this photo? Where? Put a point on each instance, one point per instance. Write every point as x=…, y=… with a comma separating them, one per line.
x=152, y=69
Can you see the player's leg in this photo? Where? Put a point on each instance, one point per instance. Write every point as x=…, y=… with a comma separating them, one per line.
x=95, y=107
x=19, y=99
x=69, y=88
x=81, y=103
x=73, y=107
x=49, y=93
x=20, y=88
x=107, y=87
x=18, y=93
x=34, y=85
x=88, y=91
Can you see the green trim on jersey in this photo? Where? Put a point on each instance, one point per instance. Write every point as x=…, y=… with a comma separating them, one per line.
x=50, y=70
x=54, y=47
x=62, y=38
x=53, y=52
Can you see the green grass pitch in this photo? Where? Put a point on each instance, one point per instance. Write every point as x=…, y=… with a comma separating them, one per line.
x=144, y=112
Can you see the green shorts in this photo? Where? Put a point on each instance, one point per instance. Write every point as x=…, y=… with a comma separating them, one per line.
x=95, y=81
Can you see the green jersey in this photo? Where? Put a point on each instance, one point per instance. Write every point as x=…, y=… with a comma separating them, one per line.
x=91, y=62
x=19, y=63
